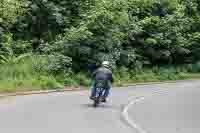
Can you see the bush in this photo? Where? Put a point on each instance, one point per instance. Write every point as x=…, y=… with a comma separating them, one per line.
x=81, y=79
x=59, y=64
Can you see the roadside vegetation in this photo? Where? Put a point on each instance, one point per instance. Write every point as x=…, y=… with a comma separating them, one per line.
x=48, y=44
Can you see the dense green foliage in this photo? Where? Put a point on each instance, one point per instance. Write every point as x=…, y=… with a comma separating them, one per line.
x=31, y=73
x=132, y=34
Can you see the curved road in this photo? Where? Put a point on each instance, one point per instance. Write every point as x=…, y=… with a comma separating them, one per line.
x=165, y=108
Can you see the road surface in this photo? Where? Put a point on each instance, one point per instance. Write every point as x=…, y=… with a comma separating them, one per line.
x=164, y=108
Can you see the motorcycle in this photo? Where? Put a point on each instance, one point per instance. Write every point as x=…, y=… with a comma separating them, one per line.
x=100, y=90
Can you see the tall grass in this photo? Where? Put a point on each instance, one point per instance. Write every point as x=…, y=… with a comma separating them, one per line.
x=155, y=74
x=26, y=75
x=31, y=74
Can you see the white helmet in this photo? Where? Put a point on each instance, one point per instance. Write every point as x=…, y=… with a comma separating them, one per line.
x=106, y=64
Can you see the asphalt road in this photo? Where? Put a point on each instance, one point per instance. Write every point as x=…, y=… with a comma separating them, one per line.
x=176, y=111
x=166, y=108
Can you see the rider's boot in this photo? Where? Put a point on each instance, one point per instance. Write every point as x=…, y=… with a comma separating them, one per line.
x=92, y=97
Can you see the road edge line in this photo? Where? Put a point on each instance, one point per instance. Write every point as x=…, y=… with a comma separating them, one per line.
x=40, y=92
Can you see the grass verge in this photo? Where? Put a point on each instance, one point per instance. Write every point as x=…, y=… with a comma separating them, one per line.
x=30, y=75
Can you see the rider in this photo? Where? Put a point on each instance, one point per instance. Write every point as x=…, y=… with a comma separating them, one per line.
x=102, y=73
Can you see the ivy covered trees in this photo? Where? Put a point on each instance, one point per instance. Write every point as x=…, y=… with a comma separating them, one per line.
x=126, y=32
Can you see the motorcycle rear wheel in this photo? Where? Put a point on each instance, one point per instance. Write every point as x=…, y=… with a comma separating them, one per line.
x=96, y=103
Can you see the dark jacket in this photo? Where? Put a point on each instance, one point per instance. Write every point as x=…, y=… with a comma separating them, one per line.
x=103, y=73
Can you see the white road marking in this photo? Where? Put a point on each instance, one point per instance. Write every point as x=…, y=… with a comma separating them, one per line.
x=130, y=121
x=135, y=100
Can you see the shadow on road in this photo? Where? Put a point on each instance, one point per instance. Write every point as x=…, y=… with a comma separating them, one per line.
x=101, y=106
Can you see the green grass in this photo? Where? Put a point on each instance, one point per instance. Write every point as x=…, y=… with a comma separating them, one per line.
x=31, y=74
x=157, y=74
x=25, y=77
